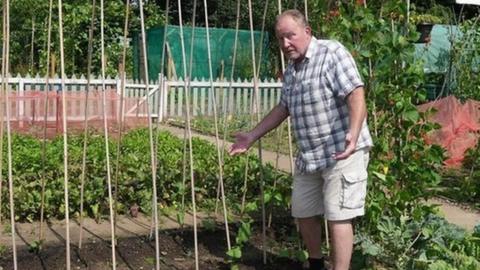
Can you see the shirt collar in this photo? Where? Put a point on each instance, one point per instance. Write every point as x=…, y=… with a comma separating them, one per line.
x=311, y=48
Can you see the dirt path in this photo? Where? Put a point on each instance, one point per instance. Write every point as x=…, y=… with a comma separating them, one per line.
x=454, y=214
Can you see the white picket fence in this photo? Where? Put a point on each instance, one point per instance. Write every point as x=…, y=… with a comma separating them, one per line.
x=166, y=98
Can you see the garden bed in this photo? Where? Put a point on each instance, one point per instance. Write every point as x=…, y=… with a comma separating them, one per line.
x=135, y=250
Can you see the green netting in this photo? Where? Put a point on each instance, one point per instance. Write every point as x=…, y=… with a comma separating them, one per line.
x=441, y=73
x=221, y=43
x=435, y=54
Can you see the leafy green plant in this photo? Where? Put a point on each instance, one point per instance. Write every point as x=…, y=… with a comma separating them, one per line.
x=465, y=58
x=7, y=229
x=432, y=14
x=407, y=244
x=425, y=19
x=134, y=177
x=403, y=169
x=300, y=255
x=3, y=250
x=35, y=246
x=463, y=184
x=209, y=224
x=243, y=235
x=274, y=141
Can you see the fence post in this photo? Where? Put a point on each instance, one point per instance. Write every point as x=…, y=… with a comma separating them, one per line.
x=118, y=90
x=21, y=101
x=161, y=90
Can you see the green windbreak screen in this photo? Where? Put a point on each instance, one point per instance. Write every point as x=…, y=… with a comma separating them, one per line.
x=435, y=55
x=222, y=42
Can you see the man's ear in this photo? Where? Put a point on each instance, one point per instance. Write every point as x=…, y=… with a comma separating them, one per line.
x=308, y=30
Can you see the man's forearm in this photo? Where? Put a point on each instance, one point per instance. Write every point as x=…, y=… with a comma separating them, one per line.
x=357, y=111
x=274, y=118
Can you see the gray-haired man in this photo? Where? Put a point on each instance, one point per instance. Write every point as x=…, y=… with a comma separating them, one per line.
x=323, y=93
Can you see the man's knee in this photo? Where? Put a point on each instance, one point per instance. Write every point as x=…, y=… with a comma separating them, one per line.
x=341, y=227
x=340, y=222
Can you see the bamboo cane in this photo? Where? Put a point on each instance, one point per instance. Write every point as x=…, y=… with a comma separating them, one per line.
x=277, y=157
x=186, y=134
x=65, y=142
x=121, y=116
x=5, y=90
x=150, y=132
x=257, y=97
x=45, y=116
x=220, y=165
x=189, y=135
x=230, y=85
x=85, y=124
x=2, y=92
x=105, y=126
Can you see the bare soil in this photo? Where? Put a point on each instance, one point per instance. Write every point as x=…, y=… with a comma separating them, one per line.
x=139, y=253
x=135, y=249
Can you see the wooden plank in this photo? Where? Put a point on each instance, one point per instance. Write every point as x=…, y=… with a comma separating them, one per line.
x=245, y=101
x=202, y=100
x=231, y=96
x=210, y=101
x=171, y=95
x=264, y=94
x=238, y=99
x=271, y=92
x=195, y=102
x=181, y=102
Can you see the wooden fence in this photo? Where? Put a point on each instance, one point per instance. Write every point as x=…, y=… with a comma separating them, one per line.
x=166, y=98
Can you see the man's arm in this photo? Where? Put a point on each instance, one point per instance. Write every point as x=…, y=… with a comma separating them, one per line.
x=245, y=140
x=357, y=111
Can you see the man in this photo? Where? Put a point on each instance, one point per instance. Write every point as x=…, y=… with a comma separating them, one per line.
x=323, y=93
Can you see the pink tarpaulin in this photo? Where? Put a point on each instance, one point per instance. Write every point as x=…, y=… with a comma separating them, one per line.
x=460, y=124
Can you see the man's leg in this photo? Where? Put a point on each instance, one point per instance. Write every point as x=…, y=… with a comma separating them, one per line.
x=341, y=233
x=311, y=231
x=307, y=206
x=344, y=199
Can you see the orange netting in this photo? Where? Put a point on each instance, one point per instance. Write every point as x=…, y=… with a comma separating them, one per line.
x=460, y=124
x=27, y=112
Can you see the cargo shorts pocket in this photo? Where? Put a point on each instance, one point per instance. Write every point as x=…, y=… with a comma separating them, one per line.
x=354, y=189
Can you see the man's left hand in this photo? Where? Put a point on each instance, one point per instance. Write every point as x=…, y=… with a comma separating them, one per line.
x=350, y=145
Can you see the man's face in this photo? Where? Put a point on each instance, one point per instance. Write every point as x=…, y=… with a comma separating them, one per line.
x=293, y=38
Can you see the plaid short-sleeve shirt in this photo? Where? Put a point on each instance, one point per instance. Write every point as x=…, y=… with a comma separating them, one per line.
x=314, y=93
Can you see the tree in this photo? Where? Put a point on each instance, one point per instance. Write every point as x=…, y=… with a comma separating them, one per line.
x=27, y=16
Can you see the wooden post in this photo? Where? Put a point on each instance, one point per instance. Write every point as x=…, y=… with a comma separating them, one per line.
x=20, y=102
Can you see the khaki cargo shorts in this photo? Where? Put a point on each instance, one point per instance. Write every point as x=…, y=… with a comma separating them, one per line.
x=337, y=192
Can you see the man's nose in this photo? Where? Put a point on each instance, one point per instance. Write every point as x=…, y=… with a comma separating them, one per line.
x=285, y=42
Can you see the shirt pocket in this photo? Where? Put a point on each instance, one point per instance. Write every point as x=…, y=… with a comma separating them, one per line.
x=311, y=93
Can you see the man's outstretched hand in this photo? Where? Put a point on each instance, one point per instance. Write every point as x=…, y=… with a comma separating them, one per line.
x=243, y=141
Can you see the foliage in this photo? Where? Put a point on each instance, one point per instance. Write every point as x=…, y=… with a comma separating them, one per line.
x=26, y=21
x=134, y=177
x=274, y=141
x=463, y=184
x=398, y=230
x=424, y=19
x=403, y=170
x=3, y=250
x=243, y=235
x=425, y=244
x=434, y=14
x=465, y=57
